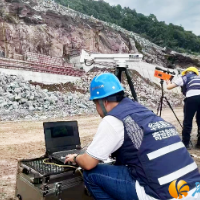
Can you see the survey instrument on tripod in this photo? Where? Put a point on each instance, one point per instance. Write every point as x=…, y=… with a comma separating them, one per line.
x=164, y=74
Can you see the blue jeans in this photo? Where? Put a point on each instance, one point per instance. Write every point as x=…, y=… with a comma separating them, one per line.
x=110, y=182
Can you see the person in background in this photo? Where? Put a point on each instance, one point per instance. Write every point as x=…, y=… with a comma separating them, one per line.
x=198, y=128
x=148, y=151
x=190, y=87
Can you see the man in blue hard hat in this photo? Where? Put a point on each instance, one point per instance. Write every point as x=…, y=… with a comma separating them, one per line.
x=190, y=84
x=148, y=151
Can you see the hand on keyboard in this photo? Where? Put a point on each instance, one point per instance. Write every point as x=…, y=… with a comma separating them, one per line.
x=70, y=159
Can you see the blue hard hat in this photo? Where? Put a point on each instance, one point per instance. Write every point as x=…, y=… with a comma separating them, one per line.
x=104, y=85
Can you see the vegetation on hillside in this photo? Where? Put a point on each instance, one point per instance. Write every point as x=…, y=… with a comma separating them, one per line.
x=158, y=32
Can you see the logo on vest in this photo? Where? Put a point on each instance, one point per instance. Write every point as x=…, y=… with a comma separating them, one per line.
x=197, y=191
x=179, y=190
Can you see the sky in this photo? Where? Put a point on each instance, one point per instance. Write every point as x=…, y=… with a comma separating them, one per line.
x=179, y=12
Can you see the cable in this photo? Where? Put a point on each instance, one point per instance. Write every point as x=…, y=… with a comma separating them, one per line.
x=48, y=163
x=79, y=170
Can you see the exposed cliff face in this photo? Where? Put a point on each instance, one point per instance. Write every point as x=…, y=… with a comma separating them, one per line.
x=48, y=28
x=27, y=30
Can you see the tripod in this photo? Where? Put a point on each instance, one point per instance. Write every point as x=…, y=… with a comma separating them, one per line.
x=118, y=73
x=161, y=104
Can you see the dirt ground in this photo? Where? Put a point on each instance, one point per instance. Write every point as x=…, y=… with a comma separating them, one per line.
x=25, y=139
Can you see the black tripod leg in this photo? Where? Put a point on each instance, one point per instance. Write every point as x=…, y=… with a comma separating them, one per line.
x=131, y=85
x=161, y=104
x=173, y=112
x=118, y=73
x=158, y=109
x=176, y=116
x=161, y=98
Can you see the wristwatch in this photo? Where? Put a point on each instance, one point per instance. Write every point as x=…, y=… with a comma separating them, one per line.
x=75, y=158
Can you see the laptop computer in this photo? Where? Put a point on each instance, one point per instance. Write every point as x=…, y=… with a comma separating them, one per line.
x=62, y=138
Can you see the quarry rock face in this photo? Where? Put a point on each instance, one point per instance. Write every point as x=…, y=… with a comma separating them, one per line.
x=48, y=28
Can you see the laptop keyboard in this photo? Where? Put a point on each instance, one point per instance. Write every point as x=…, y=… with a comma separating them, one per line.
x=61, y=155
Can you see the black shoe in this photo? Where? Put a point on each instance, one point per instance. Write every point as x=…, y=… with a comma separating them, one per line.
x=198, y=141
x=198, y=133
x=188, y=147
x=197, y=146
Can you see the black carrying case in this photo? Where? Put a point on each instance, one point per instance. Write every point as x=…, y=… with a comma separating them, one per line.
x=66, y=184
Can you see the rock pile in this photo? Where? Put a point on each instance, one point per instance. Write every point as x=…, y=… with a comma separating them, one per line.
x=148, y=93
x=21, y=100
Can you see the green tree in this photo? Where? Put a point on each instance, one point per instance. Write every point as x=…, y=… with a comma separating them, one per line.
x=160, y=33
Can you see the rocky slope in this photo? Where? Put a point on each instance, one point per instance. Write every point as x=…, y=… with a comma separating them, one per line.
x=39, y=27
x=42, y=26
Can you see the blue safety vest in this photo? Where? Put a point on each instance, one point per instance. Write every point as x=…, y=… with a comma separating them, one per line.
x=191, y=82
x=152, y=150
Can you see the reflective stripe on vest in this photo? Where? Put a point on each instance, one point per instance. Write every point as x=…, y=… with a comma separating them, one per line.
x=177, y=174
x=191, y=82
x=165, y=150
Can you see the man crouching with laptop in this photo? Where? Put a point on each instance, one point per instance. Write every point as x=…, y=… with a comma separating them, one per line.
x=148, y=150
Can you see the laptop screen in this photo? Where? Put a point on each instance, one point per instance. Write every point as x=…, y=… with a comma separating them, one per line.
x=61, y=135
x=61, y=131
